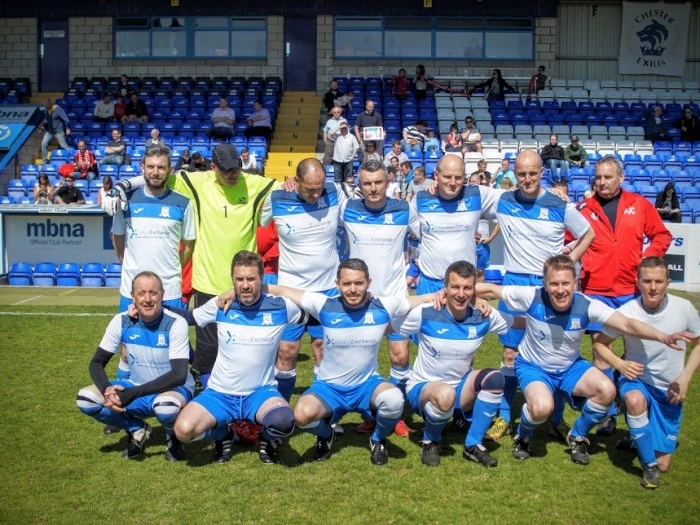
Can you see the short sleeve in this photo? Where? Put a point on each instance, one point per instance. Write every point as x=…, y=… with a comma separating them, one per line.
x=414, y=218
x=112, y=339
x=409, y=324
x=179, y=340
x=119, y=224
x=575, y=222
x=188, y=225
x=341, y=210
x=294, y=313
x=395, y=306
x=599, y=312
x=626, y=310
x=206, y=314
x=693, y=319
x=518, y=298
x=266, y=213
x=500, y=323
x=313, y=303
x=489, y=201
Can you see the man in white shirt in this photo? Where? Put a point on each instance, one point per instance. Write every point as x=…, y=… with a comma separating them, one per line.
x=396, y=152
x=222, y=119
x=330, y=131
x=653, y=379
x=249, y=164
x=344, y=153
x=260, y=122
x=104, y=109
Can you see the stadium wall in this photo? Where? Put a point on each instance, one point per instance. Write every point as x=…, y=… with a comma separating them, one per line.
x=19, y=56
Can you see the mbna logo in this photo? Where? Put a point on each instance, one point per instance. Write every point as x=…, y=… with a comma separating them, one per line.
x=55, y=229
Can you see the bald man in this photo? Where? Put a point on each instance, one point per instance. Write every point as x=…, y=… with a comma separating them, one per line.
x=533, y=221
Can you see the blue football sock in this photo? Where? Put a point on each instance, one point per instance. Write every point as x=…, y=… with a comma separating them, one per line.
x=591, y=415
x=204, y=378
x=508, y=392
x=435, y=420
x=399, y=377
x=610, y=374
x=123, y=371
x=527, y=425
x=640, y=432
x=286, y=379
x=559, y=406
x=383, y=427
x=319, y=428
x=485, y=409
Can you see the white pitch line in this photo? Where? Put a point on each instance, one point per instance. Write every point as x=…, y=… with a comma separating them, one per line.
x=27, y=300
x=55, y=314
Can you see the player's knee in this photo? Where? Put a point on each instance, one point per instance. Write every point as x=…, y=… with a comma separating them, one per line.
x=541, y=408
x=288, y=352
x=635, y=402
x=166, y=409
x=398, y=355
x=184, y=429
x=509, y=355
x=490, y=380
x=89, y=401
x=606, y=392
x=303, y=413
x=278, y=421
x=389, y=403
x=444, y=398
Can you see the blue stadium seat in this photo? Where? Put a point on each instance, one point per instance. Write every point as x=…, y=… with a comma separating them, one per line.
x=30, y=169
x=44, y=274
x=691, y=194
x=20, y=274
x=113, y=275
x=68, y=274
x=92, y=275
x=6, y=199
x=16, y=188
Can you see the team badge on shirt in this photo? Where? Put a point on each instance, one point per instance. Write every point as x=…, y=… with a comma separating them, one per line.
x=161, y=340
x=165, y=211
x=321, y=202
x=369, y=318
x=389, y=218
x=544, y=214
x=472, y=332
x=575, y=323
x=461, y=206
x=267, y=319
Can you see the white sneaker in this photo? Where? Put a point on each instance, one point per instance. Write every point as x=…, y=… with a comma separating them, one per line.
x=338, y=429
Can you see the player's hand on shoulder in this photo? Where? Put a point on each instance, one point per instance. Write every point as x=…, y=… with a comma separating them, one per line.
x=225, y=300
x=433, y=189
x=132, y=312
x=290, y=184
x=440, y=299
x=631, y=369
x=483, y=306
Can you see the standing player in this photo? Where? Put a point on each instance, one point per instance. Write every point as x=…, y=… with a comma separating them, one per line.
x=550, y=356
x=442, y=379
x=654, y=380
x=533, y=222
x=242, y=384
x=158, y=347
x=621, y=221
x=353, y=327
x=376, y=227
x=307, y=222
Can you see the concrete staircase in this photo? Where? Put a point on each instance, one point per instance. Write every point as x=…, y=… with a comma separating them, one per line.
x=296, y=134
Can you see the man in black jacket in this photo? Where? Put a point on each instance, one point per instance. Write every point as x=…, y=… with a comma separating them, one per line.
x=689, y=125
x=331, y=95
x=667, y=204
x=553, y=157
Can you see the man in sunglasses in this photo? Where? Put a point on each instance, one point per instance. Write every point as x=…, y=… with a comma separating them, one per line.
x=689, y=125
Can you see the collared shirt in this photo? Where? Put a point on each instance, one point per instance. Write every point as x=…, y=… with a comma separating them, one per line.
x=224, y=113
x=332, y=125
x=346, y=147
x=264, y=122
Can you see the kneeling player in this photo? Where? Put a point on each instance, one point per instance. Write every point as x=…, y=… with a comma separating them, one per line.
x=242, y=385
x=442, y=380
x=550, y=356
x=654, y=379
x=158, y=347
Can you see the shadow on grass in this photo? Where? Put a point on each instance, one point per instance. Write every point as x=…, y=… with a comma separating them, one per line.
x=622, y=459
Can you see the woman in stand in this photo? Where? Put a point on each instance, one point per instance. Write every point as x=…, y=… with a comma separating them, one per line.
x=43, y=191
x=419, y=81
x=107, y=185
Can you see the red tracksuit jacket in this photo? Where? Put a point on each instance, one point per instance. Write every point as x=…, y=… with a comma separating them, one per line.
x=610, y=263
x=268, y=246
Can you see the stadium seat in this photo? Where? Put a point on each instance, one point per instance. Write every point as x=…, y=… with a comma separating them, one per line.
x=68, y=274
x=16, y=188
x=20, y=274
x=44, y=274
x=92, y=275
x=113, y=275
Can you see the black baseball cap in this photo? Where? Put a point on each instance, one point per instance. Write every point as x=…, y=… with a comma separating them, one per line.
x=226, y=157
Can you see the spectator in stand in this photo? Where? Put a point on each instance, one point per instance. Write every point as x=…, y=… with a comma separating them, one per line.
x=107, y=185
x=689, y=125
x=155, y=139
x=329, y=99
x=104, y=109
x=124, y=90
x=495, y=86
x=420, y=83
x=115, y=151
x=393, y=191
x=482, y=171
x=44, y=193
x=537, y=82
x=504, y=172
x=397, y=153
x=473, y=49
x=667, y=204
x=507, y=184
x=575, y=154
x=393, y=165
x=268, y=243
x=249, y=164
x=199, y=163
x=183, y=163
x=223, y=118
x=371, y=153
x=136, y=110
x=553, y=157
x=260, y=122
x=119, y=109
x=368, y=119
x=453, y=140
x=57, y=126
x=330, y=131
x=432, y=144
x=656, y=126
x=419, y=183
x=67, y=193
x=344, y=153
x=345, y=102
x=471, y=138
x=400, y=83
x=404, y=176
x=414, y=137
x=85, y=163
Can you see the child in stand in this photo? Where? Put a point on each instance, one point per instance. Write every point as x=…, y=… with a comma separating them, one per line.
x=431, y=143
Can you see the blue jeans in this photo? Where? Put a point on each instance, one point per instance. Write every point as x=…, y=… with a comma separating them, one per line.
x=89, y=177
x=563, y=166
x=408, y=148
x=111, y=159
x=60, y=138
